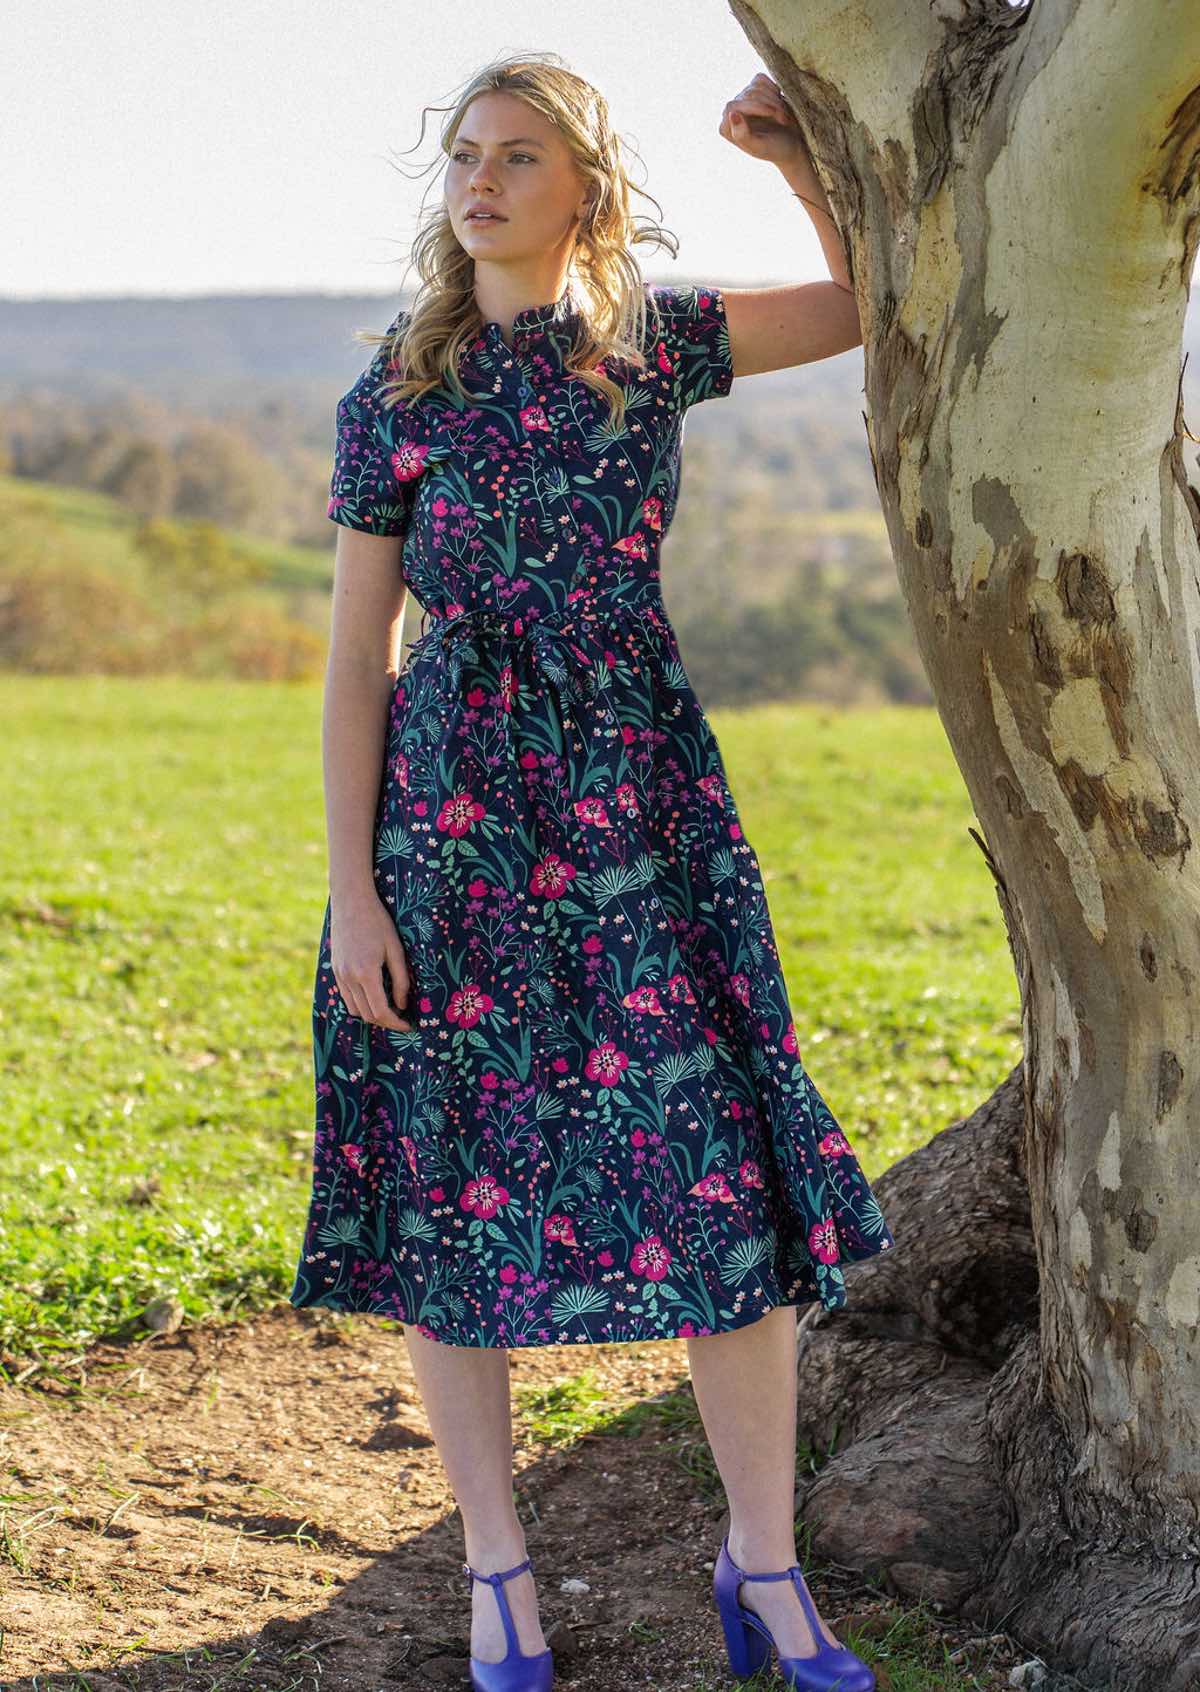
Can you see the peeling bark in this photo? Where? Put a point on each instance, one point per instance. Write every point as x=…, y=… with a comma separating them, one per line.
x=1022, y=222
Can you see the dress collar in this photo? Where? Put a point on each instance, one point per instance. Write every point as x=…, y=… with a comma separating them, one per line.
x=546, y=330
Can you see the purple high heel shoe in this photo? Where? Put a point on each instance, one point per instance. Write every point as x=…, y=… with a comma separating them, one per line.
x=515, y=1671
x=834, y=1668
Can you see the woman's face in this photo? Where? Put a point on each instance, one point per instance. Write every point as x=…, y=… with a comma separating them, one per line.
x=510, y=158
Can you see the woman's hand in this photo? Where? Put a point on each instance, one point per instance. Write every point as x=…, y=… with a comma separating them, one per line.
x=362, y=938
x=760, y=122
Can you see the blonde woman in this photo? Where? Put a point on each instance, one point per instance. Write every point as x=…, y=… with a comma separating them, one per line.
x=559, y=1094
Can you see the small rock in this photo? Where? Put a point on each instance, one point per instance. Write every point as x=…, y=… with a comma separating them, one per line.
x=574, y=1588
x=163, y=1315
x=1031, y=1673
x=562, y=1641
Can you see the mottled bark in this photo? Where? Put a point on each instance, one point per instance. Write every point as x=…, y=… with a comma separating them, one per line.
x=1019, y=190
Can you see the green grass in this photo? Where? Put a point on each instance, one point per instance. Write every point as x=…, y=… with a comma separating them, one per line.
x=161, y=889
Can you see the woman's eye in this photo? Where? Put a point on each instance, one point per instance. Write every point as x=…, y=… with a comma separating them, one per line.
x=469, y=157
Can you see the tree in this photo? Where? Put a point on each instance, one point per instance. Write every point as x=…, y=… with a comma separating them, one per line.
x=1017, y=1386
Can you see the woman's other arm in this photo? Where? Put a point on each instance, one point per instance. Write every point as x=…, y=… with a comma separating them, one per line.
x=364, y=655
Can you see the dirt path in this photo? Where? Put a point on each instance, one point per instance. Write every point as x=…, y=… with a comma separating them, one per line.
x=261, y=1505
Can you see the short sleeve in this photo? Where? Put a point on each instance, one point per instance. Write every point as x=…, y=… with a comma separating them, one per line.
x=693, y=336
x=366, y=492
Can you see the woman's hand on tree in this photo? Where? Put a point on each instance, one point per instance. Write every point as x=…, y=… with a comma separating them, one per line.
x=760, y=122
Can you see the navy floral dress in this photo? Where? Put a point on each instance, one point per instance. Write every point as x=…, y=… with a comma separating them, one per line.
x=599, y=1127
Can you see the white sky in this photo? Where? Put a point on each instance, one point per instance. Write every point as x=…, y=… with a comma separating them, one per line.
x=165, y=147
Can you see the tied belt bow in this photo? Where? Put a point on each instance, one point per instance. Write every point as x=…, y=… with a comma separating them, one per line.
x=548, y=642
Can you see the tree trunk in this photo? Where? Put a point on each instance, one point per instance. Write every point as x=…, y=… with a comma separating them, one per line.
x=1019, y=191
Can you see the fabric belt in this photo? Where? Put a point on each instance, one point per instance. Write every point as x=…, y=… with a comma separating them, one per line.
x=551, y=639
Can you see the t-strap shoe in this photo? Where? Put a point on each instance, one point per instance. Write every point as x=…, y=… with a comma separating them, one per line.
x=833, y=1668
x=515, y=1671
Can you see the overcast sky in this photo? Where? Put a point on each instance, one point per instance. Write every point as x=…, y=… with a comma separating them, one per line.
x=169, y=148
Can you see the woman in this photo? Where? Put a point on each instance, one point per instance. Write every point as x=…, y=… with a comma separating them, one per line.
x=559, y=1093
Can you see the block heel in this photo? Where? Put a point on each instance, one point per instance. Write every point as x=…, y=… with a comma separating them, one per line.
x=749, y=1641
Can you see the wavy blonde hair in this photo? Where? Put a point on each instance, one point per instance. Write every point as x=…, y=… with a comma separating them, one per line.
x=425, y=341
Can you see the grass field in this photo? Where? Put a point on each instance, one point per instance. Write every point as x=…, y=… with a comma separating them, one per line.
x=162, y=886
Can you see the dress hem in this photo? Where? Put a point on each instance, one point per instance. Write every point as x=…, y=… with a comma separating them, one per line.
x=346, y=1307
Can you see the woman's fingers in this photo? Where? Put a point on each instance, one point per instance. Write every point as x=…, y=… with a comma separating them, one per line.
x=361, y=944
x=378, y=1010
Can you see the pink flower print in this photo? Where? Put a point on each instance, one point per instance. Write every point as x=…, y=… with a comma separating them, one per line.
x=633, y=546
x=484, y=1195
x=651, y=1258
x=713, y=1188
x=335, y=504
x=400, y=770
x=710, y=786
x=528, y=760
x=735, y=832
x=353, y=1154
x=561, y=1228
x=459, y=814
x=508, y=688
x=592, y=945
x=652, y=512
x=437, y=1194
x=644, y=999
x=489, y=1080
x=637, y=1138
x=789, y=1042
x=679, y=990
x=560, y=1066
x=687, y=1330
x=822, y=1241
x=468, y=1004
x=552, y=876
x=453, y=609
x=508, y=1274
x=408, y=460
x=627, y=800
x=749, y=1174
x=834, y=1144
x=533, y=417
x=663, y=358
x=605, y=1064
x=410, y=1151
x=739, y=986
x=605, y=1258
x=478, y=888
x=476, y=698
x=425, y=1006
x=592, y=811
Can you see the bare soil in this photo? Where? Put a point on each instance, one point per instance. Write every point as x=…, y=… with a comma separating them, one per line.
x=260, y=1504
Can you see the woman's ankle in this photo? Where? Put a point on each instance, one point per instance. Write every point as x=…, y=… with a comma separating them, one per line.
x=495, y=1547
x=758, y=1555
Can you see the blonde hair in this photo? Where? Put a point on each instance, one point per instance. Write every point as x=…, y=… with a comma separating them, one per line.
x=423, y=344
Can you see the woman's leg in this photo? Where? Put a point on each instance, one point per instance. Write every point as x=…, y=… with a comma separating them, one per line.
x=745, y=1386
x=466, y=1396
